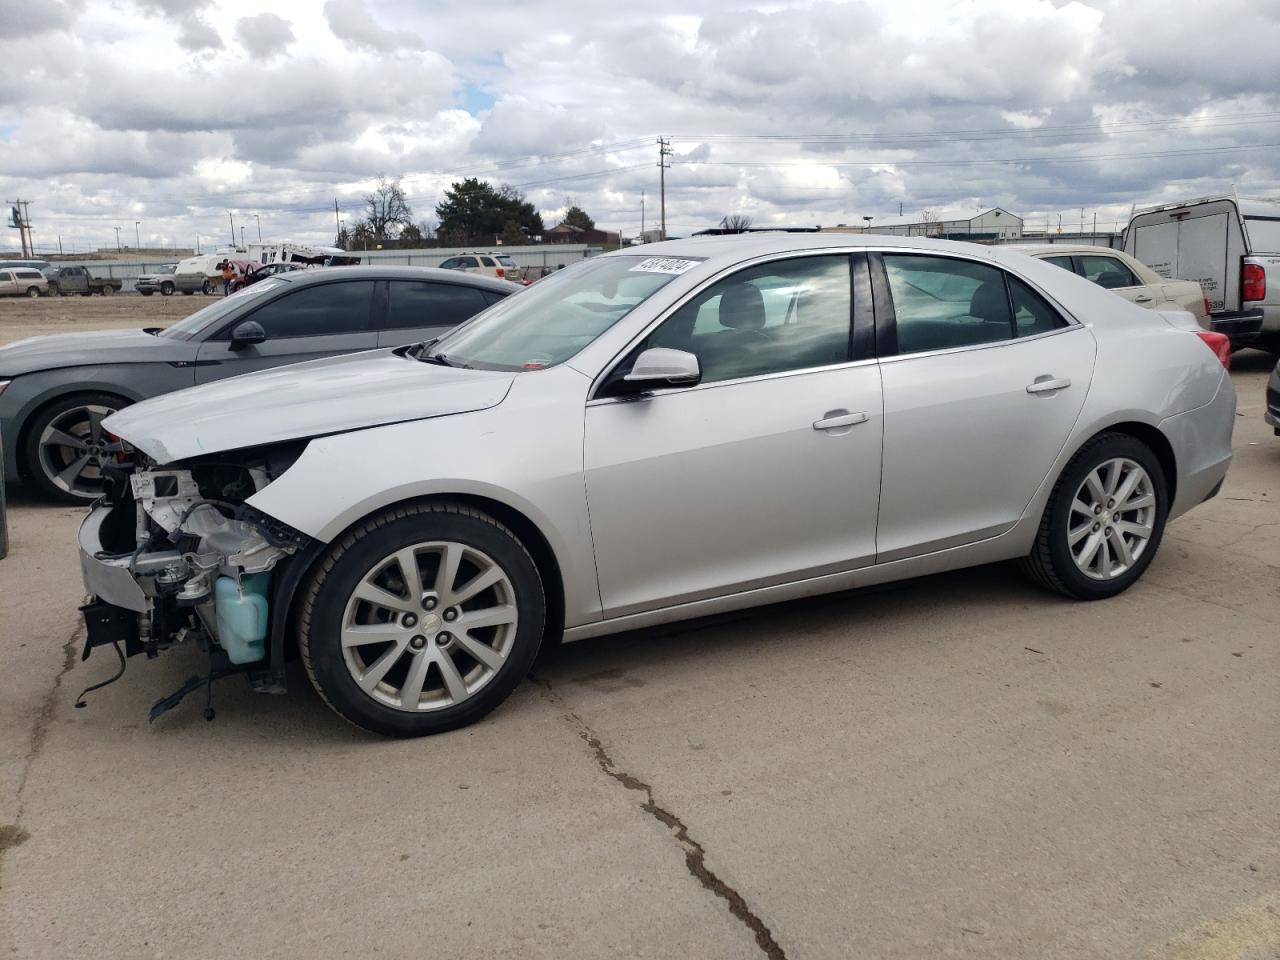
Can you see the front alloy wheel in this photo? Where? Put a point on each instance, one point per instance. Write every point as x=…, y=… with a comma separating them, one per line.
x=422, y=619
x=66, y=447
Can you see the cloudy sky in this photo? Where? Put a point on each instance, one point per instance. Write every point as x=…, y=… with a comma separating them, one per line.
x=172, y=112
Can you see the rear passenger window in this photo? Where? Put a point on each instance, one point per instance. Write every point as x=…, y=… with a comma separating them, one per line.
x=941, y=303
x=1108, y=272
x=421, y=304
x=1063, y=262
x=1032, y=314
x=786, y=315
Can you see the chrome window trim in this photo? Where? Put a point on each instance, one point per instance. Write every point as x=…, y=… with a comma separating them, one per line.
x=847, y=252
x=667, y=391
x=897, y=357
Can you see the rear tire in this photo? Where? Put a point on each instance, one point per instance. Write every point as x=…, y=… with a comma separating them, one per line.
x=33, y=292
x=108, y=290
x=1124, y=536
x=414, y=668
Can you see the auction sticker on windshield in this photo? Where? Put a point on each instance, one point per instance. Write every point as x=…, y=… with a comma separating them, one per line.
x=665, y=265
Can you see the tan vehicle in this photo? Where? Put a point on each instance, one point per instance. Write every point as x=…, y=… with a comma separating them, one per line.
x=22, y=282
x=1122, y=274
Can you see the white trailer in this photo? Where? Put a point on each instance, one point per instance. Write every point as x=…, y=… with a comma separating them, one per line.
x=312, y=256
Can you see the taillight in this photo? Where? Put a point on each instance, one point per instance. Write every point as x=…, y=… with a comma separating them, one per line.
x=502, y=274
x=1219, y=343
x=1253, y=286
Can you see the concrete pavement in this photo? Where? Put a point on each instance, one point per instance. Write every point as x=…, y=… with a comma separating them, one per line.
x=959, y=766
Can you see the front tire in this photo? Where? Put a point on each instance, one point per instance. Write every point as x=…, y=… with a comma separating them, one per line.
x=65, y=447
x=166, y=289
x=1104, y=521
x=207, y=288
x=421, y=619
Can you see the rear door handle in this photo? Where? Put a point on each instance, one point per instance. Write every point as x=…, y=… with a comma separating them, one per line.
x=1048, y=385
x=839, y=420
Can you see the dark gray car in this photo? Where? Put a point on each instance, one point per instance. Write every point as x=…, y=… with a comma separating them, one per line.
x=55, y=391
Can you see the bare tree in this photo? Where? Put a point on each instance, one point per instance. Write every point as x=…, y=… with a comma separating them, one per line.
x=388, y=210
x=932, y=225
x=736, y=223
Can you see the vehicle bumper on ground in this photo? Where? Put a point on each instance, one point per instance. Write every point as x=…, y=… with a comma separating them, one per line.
x=1241, y=328
x=1201, y=441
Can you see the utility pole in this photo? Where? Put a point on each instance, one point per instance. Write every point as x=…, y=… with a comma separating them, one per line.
x=642, y=216
x=242, y=234
x=59, y=244
x=137, y=237
x=664, y=151
x=335, y=216
x=117, y=230
x=258, y=220
x=233, y=227
x=1095, y=221
x=20, y=224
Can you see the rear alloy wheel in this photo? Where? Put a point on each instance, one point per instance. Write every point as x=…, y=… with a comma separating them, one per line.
x=1104, y=521
x=422, y=619
x=66, y=446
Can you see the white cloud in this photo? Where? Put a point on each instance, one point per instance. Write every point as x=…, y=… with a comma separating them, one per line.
x=265, y=35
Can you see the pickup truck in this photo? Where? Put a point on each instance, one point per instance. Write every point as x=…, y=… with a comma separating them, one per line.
x=67, y=280
x=1229, y=244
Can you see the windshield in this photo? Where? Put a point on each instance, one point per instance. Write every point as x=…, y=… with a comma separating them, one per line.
x=189, y=327
x=164, y=268
x=558, y=316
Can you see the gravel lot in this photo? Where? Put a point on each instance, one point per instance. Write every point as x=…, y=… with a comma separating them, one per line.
x=961, y=766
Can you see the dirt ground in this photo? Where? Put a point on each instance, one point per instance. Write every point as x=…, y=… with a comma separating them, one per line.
x=21, y=318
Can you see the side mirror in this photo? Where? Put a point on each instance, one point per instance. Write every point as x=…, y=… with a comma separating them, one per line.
x=247, y=333
x=661, y=367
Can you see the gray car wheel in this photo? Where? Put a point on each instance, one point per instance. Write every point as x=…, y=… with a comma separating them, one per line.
x=65, y=446
x=421, y=619
x=33, y=292
x=166, y=289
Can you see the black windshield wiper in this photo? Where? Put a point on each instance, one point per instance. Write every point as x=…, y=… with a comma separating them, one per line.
x=442, y=360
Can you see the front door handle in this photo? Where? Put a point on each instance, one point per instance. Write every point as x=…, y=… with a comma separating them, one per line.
x=1048, y=385
x=1143, y=298
x=835, y=420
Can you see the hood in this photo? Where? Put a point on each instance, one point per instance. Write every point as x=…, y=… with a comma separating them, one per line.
x=93, y=347
x=303, y=400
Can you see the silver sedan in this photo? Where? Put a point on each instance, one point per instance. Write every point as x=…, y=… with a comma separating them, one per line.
x=702, y=426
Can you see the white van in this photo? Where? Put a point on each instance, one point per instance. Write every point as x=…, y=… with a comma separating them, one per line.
x=1227, y=244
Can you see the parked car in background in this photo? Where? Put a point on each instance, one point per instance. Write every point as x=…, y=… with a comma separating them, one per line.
x=486, y=264
x=41, y=265
x=717, y=423
x=1229, y=245
x=199, y=274
x=1272, y=414
x=56, y=390
x=23, y=282
x=65, y=281
x=258, y=272
x=157, y=279
x=1125, y=276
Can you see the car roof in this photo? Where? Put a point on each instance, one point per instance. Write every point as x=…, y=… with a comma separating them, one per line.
x=321, y=274
x=1040, y=249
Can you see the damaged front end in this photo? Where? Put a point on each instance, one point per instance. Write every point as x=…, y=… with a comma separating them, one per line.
x=173, y=554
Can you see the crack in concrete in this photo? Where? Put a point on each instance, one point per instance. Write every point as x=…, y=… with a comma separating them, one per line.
x=695, y=854
x=11, y=835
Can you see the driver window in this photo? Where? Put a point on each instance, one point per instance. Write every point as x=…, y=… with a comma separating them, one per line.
x=780, y=316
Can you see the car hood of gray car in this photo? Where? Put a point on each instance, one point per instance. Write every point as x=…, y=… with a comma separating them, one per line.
x=91, y=348
x=301, y=401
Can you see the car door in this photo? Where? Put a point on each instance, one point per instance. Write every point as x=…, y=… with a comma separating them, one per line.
x=424, y=309
x=8, y=285
x=768, y=470
x=983, y=381
x=305, y=322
